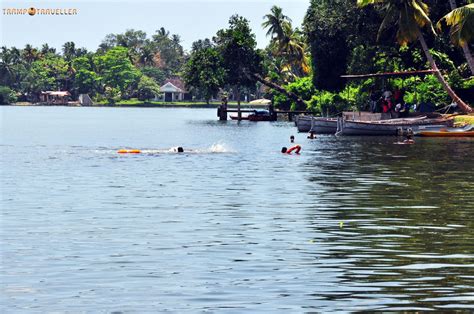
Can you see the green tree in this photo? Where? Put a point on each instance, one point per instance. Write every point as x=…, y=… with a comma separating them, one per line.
x=328, y=25
x=116, y=70
x=7, y=95
x=303, y=87
x=204, y=71
x=461, y=21
x=30, y=54
x=45, y=49
x=85, y=78
x=69, y=51
x=155, y=73
x=411, y=16
x=275, y=23
x=48, y=73
x=287, y=44
x=237, y=46
x=147, y=88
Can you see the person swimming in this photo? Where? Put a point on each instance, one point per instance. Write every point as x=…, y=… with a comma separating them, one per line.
x=311, y=136
x=292, y=139
x=410, y=137
x=296, y=149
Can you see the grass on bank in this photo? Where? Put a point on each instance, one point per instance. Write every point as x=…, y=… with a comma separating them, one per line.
x=136, y=102
x=464, y=119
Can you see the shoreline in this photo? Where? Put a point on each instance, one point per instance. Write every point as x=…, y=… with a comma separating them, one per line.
x=142, y=105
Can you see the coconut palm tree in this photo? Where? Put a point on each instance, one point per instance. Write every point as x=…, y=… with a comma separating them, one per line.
x=69, y=50
x=45, y=49
x=411, y=16
x=30, y=54
x=293, y=47
x=461, y=21
x=286, y=42
x=6, y=63
x=275, y=22
x=162, y=32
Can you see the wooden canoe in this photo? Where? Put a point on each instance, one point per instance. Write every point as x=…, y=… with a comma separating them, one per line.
x=467, y=131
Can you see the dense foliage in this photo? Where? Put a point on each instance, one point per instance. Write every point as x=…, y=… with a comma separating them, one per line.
x=237, y=46
x=204, y=70
x=124, y=66
x=301, y=65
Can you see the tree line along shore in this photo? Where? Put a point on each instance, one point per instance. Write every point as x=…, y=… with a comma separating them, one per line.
x=300, y=68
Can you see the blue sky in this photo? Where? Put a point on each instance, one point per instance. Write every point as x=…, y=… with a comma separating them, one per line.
x=192, y=20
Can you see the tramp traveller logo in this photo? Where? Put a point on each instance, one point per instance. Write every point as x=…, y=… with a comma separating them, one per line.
x=32, y=11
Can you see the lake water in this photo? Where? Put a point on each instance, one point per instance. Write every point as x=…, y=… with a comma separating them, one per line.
x=233, y=226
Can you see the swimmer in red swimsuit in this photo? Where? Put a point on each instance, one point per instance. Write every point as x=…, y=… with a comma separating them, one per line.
x=296, y=149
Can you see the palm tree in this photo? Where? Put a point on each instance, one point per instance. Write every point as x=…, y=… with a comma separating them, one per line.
x=286, y=42
x=411, y=16
x=146, y=55
x=275, y=22
x=69, y=50
x=45, y=49
x=162, y=32
x=461, y=21
x=30, y=54
x=294, y=48
x=6, y=63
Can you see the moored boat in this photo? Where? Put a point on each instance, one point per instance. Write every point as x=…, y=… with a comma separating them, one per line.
x=388, y=127
x=318, y=125
x=323, y=125
x=467, y=131
x=303, y=123
x=257, y=115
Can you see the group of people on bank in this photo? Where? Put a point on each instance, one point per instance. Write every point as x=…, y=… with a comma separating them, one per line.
x=388, y=102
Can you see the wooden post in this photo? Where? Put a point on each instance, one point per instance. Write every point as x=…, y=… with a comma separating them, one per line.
x=239, y=113
x=222, y=110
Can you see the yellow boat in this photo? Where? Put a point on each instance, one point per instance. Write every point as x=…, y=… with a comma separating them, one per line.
x=467, y=131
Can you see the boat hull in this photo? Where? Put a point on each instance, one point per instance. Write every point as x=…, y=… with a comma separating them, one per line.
x=324, y=126
x=386, y=127
x=303, y=123
x=446, y=134
x=237, y=118
x=467, y=131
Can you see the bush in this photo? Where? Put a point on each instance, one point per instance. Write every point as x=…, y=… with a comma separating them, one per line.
x=112, y=94
x=147, y=88
x=303, y=87
x=7, y=95
x=326, y=103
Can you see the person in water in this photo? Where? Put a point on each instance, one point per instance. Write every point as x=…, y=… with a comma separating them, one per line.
x=296, y=149
x=410, y=137
x=311, y=136
x=292, y=139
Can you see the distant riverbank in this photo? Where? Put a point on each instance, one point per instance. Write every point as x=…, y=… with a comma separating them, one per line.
x=147, y=104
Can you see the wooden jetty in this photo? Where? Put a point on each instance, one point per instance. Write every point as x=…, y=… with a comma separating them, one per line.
x=223, y=111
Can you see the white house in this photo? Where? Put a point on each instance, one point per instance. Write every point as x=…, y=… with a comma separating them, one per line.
x=173, y=90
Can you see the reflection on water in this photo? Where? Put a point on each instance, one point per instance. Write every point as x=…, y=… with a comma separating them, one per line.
x=351, y=224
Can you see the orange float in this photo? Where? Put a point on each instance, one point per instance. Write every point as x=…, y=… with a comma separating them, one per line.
x=129, y=151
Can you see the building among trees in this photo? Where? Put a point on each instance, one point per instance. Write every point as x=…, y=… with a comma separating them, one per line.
x=174, y=90
x=55, y=97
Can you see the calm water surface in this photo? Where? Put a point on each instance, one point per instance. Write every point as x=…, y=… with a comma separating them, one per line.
x=234, y=226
